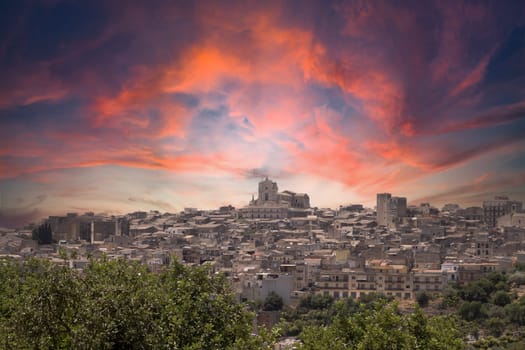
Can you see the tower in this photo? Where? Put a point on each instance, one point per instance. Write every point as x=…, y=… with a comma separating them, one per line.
x=267, y=191
x=384, y=209
x=92, y=236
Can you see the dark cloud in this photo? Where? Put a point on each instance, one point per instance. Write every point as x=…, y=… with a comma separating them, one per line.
x=158, y=204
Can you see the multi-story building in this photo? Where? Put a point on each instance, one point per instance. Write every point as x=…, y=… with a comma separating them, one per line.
x=390, y=209
x=473, y=271
x=499, y=206
x=73, y=227
x=471, y=213
x=333, y=283
x=398, y=207
x=432, y=281
x=512, y=220
x=272, y=204
x=379, y=276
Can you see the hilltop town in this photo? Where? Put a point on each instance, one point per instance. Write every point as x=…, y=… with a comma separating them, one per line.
x=279, y=243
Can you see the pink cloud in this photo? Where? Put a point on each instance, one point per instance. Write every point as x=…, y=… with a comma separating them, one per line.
x=474, y=76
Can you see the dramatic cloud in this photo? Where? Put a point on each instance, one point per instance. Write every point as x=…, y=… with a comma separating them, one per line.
x=415, y=98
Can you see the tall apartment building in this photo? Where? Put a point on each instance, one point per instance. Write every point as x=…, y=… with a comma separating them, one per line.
x=499, y=206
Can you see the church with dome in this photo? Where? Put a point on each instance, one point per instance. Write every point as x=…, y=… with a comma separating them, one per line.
x=272, y=204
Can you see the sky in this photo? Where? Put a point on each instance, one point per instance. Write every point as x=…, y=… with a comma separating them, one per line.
x=117, y=106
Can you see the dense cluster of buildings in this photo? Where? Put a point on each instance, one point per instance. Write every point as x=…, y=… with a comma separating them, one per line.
x=279, y=243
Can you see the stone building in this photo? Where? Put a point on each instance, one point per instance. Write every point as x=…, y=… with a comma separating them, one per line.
x=272, y=204
x=390, y=209
x=499, y=206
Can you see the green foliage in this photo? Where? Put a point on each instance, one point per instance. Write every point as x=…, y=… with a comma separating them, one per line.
x=384, y=327
x=474, y=292
x=495, y=326
x=496, y=277
x=516, y=312
x=520, y=267
x=120, y=305
x=43, y=234
x=316, y=301
x=374, y=297
x=517, y=278
x=273, y=302
x=482, y=289
x=500, y=298
x=451, y=297
x=472, y=310
x=315, y=310
x=422, y=298
x=491, y=309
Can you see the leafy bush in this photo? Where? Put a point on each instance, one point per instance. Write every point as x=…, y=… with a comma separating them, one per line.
x=273, y=302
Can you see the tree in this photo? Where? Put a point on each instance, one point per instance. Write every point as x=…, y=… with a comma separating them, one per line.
x=471, y=310
x=384, y=327
x=517, y=278
x=273, y=302
x=120, y=305
x=451, y=296
x=316, y=301
x=516, y=313
x=44, y=302
x=473, y=292
x=422, y=298
x=501, y=298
